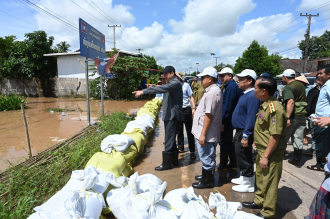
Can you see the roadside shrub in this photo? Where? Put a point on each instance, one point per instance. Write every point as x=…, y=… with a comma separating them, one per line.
x=11, y=102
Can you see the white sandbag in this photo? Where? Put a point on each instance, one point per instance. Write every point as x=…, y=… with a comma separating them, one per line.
x=136, y=124
x=148, y=205
x=117, y=196
x=89, y=178
x=47, y=215
x=146, y=119
x=196, y=207
x=118, y=142
x=55, y=203
x=245, y=215
x=177, y=198
x=148, y=181
x=84, y=205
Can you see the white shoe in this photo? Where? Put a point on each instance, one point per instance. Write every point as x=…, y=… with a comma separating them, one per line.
x=246, y=186
x=237, y=181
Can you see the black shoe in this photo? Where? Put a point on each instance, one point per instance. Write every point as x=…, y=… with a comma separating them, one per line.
x=251, y=205
x=206, y=181
x=296, y=158
x=175, y=158
x=260, y=215
x=309, y=152
x=167, y=162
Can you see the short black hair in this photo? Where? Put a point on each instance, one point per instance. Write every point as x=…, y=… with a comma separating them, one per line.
x=268, y=83
x=215, y=79
x=326, y=68
x=250, y=78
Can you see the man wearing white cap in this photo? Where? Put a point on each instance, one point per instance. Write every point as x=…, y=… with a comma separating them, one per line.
x=206, y=127
x=231, y=94
x=243, y=121
x=295, y=105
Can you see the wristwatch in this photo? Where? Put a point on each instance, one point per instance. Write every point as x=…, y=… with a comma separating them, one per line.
x=245, y=138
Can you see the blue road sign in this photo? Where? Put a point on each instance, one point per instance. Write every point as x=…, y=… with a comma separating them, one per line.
x=92, y=41
x=110, y=76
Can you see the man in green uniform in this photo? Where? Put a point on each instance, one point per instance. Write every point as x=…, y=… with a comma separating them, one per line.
x=269, y=138
x=198, y=90
x=295, y=104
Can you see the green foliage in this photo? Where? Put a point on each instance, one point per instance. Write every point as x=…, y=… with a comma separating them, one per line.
x=6, y=45
x=62, y=47
x=151, y=62
x=26, y=57
x=222, y=65
x=256, y=57
x=319, y=46
x=11, y=102
x=28, y=187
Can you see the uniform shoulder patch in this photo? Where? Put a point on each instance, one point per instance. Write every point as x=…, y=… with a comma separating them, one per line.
x=272, y=108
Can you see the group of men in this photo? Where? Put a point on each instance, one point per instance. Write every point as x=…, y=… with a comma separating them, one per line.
x=250, y=108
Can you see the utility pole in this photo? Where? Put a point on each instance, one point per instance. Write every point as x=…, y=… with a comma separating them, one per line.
x=216, y=61
x=189, y=70
x=139, y=50
x=309, y=16
x=114, y=34
x=197, y=67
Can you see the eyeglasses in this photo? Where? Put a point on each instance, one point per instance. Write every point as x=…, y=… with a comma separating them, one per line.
x=203, y=77
x=242, y=78
x=221, y=76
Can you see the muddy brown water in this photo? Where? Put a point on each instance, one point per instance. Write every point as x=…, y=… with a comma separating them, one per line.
x=184, y=175
x=47, y=129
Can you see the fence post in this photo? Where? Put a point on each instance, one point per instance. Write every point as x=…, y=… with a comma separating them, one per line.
x=26, y=130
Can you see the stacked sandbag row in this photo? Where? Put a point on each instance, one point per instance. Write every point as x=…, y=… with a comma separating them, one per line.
x=142, y=198
x=83, y=195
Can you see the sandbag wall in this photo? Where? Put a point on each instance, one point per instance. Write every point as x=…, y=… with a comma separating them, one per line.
x=84, y=195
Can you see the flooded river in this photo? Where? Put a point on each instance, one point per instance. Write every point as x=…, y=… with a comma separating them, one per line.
x=47, y=128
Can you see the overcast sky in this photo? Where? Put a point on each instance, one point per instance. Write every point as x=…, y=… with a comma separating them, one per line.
x=175, y=32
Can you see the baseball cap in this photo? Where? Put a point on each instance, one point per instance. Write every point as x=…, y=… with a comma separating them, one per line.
x=248, y=72
x=265, y=75
x=168, y=69
x=288, y=73
x=226, y=70
x=209, y=71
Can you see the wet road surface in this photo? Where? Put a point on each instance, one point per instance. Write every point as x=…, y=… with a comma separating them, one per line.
x=47, y=129
x=184, y=175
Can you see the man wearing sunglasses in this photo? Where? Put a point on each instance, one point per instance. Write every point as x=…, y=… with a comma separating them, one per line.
x=231, y=94
x=206, y=127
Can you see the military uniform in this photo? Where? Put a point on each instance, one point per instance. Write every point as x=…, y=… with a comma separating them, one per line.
x=271, y=120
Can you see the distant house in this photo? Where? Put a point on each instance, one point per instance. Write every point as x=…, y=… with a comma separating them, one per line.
x=298, y=65
x=68, y=64
x=322, y=62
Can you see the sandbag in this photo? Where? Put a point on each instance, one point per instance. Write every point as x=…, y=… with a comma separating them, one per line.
x=196, y=207
x=136, y=125
x=114, y=162
x=128, y=170
x=148, y=181
x=178, y=199
x=144, y=111
x=148, y=120
x=87, y=179
x=118, y=142
x=139, y=139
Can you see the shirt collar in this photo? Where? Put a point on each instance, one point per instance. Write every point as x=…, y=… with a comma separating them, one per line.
x=247, y=91
x=265, y=104
x=326, y=83
x=209, y=87
x=226, y=84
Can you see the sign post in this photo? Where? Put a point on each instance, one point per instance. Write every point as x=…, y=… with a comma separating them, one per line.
x=102, y=105
x=92, y=45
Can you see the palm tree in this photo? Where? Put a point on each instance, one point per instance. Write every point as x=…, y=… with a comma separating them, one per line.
x=62, y=47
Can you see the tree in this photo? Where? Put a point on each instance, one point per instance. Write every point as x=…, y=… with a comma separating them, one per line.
x=319, y=47
x=26, y=58
x=222, y=65
x=256, y=57
x=151, y=62
x=6, y=45
x=62, y=47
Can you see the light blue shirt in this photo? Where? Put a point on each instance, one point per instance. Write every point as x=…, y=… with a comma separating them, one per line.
x=187, y=92
x=323, y=103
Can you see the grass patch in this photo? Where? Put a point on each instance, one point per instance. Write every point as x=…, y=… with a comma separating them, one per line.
x=11, y=102
x=30, y=187
x=65, y=109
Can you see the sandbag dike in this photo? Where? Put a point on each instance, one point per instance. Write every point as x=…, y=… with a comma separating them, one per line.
x=32, y=182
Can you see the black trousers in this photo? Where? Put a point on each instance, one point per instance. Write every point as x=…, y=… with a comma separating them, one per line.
x=227, y=148
x=171, y=127
x=322, y=144
x=244, y=154
x=187, y=120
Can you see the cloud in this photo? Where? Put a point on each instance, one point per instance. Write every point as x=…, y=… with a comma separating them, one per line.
x=310, y=4
x=213, y=17
x=154, y=13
